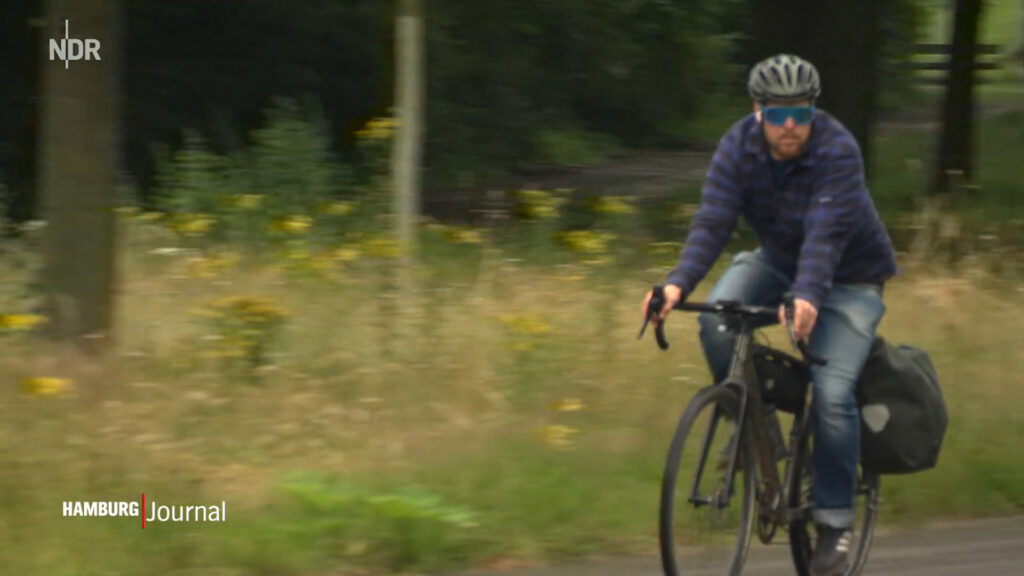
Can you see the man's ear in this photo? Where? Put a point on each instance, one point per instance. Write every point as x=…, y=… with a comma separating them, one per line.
x=757, y=115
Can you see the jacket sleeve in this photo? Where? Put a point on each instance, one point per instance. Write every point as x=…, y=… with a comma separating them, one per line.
x=830, y=220
x=712, y=225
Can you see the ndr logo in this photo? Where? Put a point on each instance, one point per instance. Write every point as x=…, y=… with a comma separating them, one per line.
x=67, y=49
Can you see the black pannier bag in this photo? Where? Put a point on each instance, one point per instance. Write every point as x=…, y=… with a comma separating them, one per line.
x=784, y=378
x=903, y=415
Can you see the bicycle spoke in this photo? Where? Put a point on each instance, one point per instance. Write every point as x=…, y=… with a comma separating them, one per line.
x=710, y=529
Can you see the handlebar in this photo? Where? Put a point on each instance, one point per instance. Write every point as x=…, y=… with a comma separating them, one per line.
x=726, y=308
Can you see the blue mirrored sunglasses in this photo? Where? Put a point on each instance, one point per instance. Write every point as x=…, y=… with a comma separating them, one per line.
x=777, y=115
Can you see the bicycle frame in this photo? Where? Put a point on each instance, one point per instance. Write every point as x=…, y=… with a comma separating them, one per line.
x=743, y=378
x=739, y=319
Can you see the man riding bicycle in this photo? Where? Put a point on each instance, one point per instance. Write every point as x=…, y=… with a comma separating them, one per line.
x=796, y=175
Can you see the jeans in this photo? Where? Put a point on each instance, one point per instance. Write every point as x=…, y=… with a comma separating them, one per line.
x=843, y=334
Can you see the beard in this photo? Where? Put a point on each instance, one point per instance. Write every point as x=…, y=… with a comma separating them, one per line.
x=787, y=148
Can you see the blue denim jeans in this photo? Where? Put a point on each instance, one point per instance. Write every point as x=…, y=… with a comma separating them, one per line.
x=843, y=334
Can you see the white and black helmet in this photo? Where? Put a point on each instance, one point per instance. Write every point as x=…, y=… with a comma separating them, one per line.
x=784, y=77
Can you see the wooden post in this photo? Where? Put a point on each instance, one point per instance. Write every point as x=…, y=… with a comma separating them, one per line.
x=405, y=162
x=406, y=157
x=954, y=161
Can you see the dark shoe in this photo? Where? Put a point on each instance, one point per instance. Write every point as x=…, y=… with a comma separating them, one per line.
x=832, y=553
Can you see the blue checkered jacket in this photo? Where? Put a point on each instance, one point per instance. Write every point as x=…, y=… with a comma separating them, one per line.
x=819, y=226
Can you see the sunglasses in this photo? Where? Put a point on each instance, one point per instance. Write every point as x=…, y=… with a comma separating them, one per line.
x=777, y=115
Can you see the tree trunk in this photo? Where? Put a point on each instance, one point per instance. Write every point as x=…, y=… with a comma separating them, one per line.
x=405, y=167
x=849, y=56
x=841, y=39
x=954, y=163
x=24, y=64
x=407, y=154
x=78, y=168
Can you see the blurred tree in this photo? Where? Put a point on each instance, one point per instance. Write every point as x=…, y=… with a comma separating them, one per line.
x=954, y=162
x=216, y=67
x=902, y=25
x=506, y=76
x=407, y=154
x=842, y=39
x=509, y=81
x=78, y=172
x=21, y=34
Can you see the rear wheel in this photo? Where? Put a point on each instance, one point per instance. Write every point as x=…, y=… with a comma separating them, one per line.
x=802, y=534
x=710, y=533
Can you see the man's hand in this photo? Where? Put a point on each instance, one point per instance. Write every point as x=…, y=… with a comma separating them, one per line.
x=672, y=295
x=804, y=316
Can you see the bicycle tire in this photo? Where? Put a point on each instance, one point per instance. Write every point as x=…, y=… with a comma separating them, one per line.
x=800, y=540
x=743, y=490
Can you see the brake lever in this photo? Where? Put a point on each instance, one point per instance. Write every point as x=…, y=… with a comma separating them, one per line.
x=800, y=345
x=654, y=306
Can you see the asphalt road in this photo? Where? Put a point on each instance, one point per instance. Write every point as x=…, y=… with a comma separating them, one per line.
x=974, y=548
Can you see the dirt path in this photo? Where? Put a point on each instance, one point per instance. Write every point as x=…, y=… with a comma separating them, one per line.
x=643, y=174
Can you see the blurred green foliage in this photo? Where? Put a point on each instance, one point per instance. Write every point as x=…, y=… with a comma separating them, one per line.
x=509, y=84
x=318, y=516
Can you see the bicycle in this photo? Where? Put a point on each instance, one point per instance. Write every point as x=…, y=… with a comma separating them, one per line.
x=745, y=405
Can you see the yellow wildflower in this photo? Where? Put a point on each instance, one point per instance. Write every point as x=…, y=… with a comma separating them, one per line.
x=539, y=205
x=587, y=241
x=21, y=321
x=459, y=235
x=295, y=223
x=247, y=201
x=346, y=254
x=193, y=224
x=568, y=405
x=378, y=129
x=46, y=386
x=613, y=205
x=338, y=208
x=557, y=435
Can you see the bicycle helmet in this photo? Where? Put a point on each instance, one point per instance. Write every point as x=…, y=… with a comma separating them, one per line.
x=784, y=77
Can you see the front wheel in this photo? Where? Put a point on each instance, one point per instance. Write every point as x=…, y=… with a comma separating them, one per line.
x=700, y=525
x=802, y=535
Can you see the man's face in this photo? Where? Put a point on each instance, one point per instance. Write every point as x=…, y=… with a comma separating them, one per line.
x=787, y=140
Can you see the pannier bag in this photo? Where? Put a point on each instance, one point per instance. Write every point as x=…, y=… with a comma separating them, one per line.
x=784, y=379
x=903, y=415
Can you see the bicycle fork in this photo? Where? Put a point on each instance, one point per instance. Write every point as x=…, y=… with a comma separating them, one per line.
x=751, y=411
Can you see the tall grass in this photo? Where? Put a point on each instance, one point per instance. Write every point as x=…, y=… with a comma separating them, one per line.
x=508, y=412
x=515, y=421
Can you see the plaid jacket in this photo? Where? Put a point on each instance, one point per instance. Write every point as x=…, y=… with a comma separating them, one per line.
x=819, y=226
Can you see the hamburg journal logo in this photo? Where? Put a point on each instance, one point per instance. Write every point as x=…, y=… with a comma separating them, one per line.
x=67, y=48
x=156, y=513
